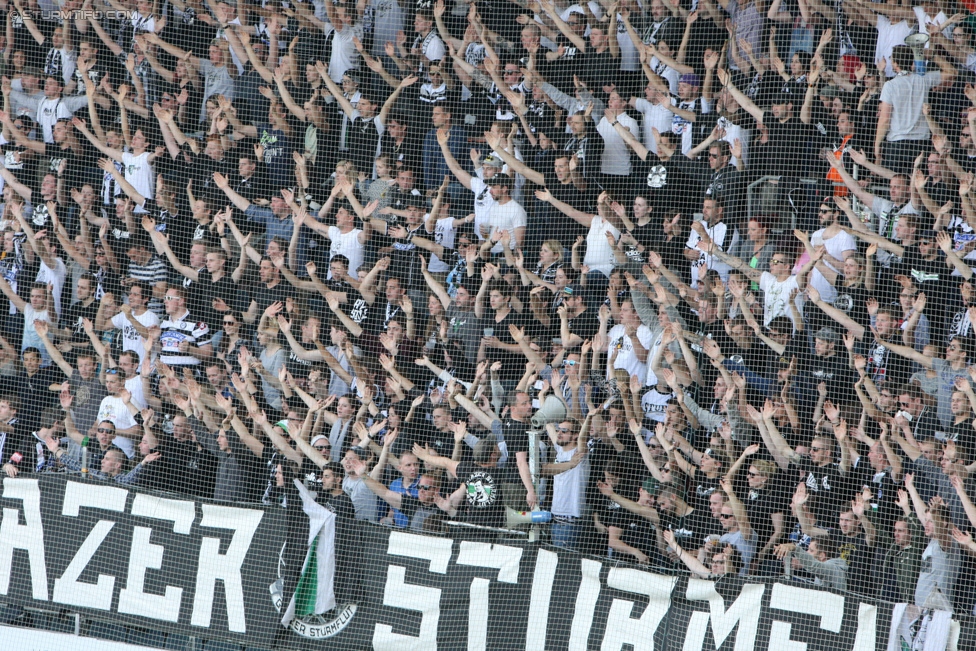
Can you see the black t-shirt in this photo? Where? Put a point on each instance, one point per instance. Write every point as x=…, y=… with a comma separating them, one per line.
x=406, y=154
x=702, y=491
x=635, y=530
x=691, y=530
x=585, y=324
x=662, y=184
x=56, y=155
x=826, y=488
x=597, y=69
x=516, y=437
x=72, y=317
x=886, y=368
x=884, y=490
x=362, y=137
x=204, y=291
x=778, y=157
x=265, y=296
x=835, y=372
x=418, y=512
x=565, y=228
x=299, y=367
x=762, y=503
x=35, y=394
x=484, y=504
x=855, y=550
x=106, y=282
x=513, y=363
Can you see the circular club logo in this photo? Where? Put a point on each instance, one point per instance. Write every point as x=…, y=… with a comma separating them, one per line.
x=313, y=627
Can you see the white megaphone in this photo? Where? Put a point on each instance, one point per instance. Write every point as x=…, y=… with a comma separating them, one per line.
x=917, y=43
x=514, y=518
x=552, y=410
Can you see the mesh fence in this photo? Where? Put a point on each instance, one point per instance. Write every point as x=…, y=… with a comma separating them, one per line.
x=487, y=325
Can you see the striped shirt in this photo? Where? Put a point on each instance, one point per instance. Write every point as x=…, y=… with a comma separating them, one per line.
x=155, y=271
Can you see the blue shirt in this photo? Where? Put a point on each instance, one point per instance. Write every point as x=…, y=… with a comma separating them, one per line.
x=275, y=227
x=399, y=519
x=435, y=167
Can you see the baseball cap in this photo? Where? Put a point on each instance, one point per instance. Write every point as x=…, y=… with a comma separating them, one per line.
x=573, y=289
x=828, y=334
x=690, y=79
x=651, y=486
x=783, y=98
x=493, y=161
x=414, y=200
x=830, y=92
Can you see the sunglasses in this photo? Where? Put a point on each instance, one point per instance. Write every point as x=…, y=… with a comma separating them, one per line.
x=562, y=429
x=112, y=371
x=726, y=516
x=105, y=430
x=425, y=487
x=570, y=362
x=230, y=322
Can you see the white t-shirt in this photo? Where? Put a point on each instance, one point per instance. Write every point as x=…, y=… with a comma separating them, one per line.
x=30, y=337
x=55, y=277
x=49, y=111
x=569, y=488
x=130, y=337
x=776, y=296
x=888, y=37
x=443, y=235
x=139, y=173
x=629, y=57
x=655, y=117
x=347, y=245
x=483, y=204
x=653, y=402
x=599, y=253
x=616, y=153
x=718, y=233
x=836, y=246
x=344, y=53
x=506, y=217
x=667, y=73
x=114, y=410
x=134, y=386
x=431, y=46
x=626, y=359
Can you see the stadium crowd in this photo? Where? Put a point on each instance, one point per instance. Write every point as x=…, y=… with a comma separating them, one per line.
x=718, y=255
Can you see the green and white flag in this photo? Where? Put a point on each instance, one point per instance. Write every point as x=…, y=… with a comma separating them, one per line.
x=315, y=592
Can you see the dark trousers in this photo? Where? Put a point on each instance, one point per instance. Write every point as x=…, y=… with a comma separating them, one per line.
x=900, y=155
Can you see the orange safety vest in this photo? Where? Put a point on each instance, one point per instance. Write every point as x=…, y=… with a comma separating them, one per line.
x=840, y=190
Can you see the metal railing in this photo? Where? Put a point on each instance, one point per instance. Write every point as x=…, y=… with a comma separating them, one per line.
x=762, y=198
